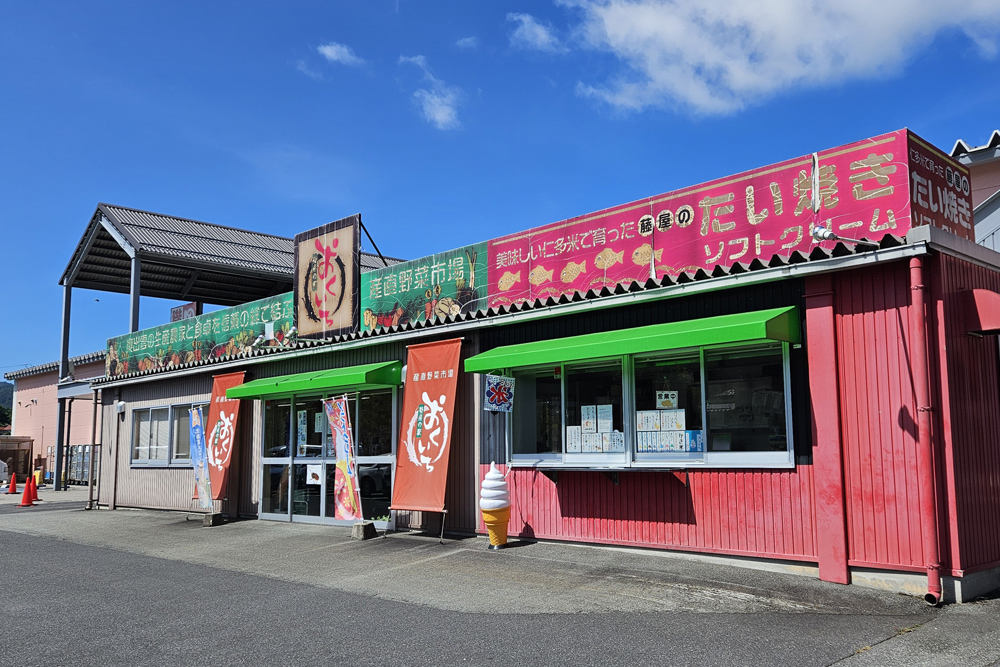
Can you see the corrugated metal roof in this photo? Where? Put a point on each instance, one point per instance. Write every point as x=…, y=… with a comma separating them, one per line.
x=180, y=237
x=184, y=259
x=54, y=365
x=962, y=148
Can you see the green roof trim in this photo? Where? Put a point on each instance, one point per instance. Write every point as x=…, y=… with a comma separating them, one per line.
x=760, y=326
x=368, y=376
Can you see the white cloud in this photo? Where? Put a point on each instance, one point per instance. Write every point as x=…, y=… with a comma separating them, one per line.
x=340, y=53
x=532, y=35
x=718, y=56
x=305, y=69
x=438, y=102
x=467, y=43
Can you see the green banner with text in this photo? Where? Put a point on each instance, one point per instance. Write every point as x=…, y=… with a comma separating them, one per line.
x=206, y=336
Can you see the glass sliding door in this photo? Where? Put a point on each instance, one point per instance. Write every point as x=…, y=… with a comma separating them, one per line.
x=275, y=491
x=299, y=459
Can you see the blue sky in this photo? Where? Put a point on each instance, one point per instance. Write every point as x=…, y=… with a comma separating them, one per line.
x=442, y=123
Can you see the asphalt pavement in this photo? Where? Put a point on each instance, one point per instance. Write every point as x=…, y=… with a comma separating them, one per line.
x=143, y=587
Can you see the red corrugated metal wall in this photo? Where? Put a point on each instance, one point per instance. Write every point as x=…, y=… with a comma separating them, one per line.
x=878, y=417
x=759, y=513
x=973, y=413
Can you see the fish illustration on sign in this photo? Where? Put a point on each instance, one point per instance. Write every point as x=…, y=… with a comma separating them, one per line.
x=643, y=253
x=608, y=258
x=539, y=275
x=507, y=280
x=572, y=270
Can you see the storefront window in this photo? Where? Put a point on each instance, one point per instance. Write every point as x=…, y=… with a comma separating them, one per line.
x=746, y=401
x=181, y=438
x=161, y=436
x=274, y=498
x=582, y=415
x=374, y=428
x=277, y=422
x=538, y=413
x=308, y=484
x=668, y=409
x=311, y=466
x=594, y=415
x=311, y=426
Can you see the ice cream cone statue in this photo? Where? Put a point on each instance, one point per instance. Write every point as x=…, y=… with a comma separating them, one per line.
x=494, y=503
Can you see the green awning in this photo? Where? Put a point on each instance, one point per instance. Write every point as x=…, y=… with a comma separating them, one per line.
x=776, y=324
x=369, y=376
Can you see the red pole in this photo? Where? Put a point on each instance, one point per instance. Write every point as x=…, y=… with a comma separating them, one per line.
x=925, y=448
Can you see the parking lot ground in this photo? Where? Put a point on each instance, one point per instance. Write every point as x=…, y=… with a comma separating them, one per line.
x=145, y=587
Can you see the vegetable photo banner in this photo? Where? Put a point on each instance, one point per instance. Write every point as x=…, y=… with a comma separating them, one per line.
x=426, y=429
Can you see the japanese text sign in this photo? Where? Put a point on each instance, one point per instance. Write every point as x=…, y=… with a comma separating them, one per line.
x=426, y=430
x=327, y=267
x=207, y=336
x=863, y=191
x=443, y=284
x=499, y=393
x=220, y=434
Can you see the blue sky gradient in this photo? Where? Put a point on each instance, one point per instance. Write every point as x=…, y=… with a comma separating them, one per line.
x=442, y=123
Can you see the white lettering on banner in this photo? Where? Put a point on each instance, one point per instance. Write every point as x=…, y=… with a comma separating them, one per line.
x=221, y=447
x=427, y=434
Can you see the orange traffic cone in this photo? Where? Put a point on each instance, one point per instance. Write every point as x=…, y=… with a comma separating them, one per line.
x=26, y=497
x=13, y=484
x=34, y=488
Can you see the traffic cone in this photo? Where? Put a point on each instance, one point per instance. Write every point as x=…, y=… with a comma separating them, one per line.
x=13, y=484
x=26, y=497
x=34, y=488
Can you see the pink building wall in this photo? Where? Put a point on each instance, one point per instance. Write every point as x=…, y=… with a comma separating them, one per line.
x=985, y=181
x=36, y=408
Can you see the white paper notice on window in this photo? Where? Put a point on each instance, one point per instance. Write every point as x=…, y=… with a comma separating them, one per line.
x=666, y=400
x=319, y=419
x=588, y=418
x=574, y=439
x=617, y=441
x=313, y=473
x=604, y=419
x=648, y=420
x=672, y=420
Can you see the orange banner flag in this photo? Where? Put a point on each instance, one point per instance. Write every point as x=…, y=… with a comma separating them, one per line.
x=220, y=431
x=425, y=436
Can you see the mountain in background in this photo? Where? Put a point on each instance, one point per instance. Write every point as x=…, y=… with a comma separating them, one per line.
x=6, y=395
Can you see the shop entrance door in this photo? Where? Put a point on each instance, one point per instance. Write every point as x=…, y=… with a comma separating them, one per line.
x=299, y=464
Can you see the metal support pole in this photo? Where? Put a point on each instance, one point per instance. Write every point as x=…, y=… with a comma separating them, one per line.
x=925, y=447
x=444, y=515
x=63, y=484
x=64, y=341
x=134, y=294
x=93, y=454
x=60, y=436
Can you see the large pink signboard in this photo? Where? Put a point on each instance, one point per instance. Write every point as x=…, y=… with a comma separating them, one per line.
x=864, y=192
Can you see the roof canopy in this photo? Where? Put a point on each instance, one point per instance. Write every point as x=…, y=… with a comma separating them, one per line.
x=368, y=376
x=776, y=324
x=182, y=259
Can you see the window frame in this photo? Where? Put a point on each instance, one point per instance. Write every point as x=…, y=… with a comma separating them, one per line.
x=784, y=459
x=291, y=459
x=171, y=461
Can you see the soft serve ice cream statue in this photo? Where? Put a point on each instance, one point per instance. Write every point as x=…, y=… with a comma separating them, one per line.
x=494, y=503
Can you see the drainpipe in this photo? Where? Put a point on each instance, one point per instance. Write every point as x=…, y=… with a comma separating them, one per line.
x=925, y=448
